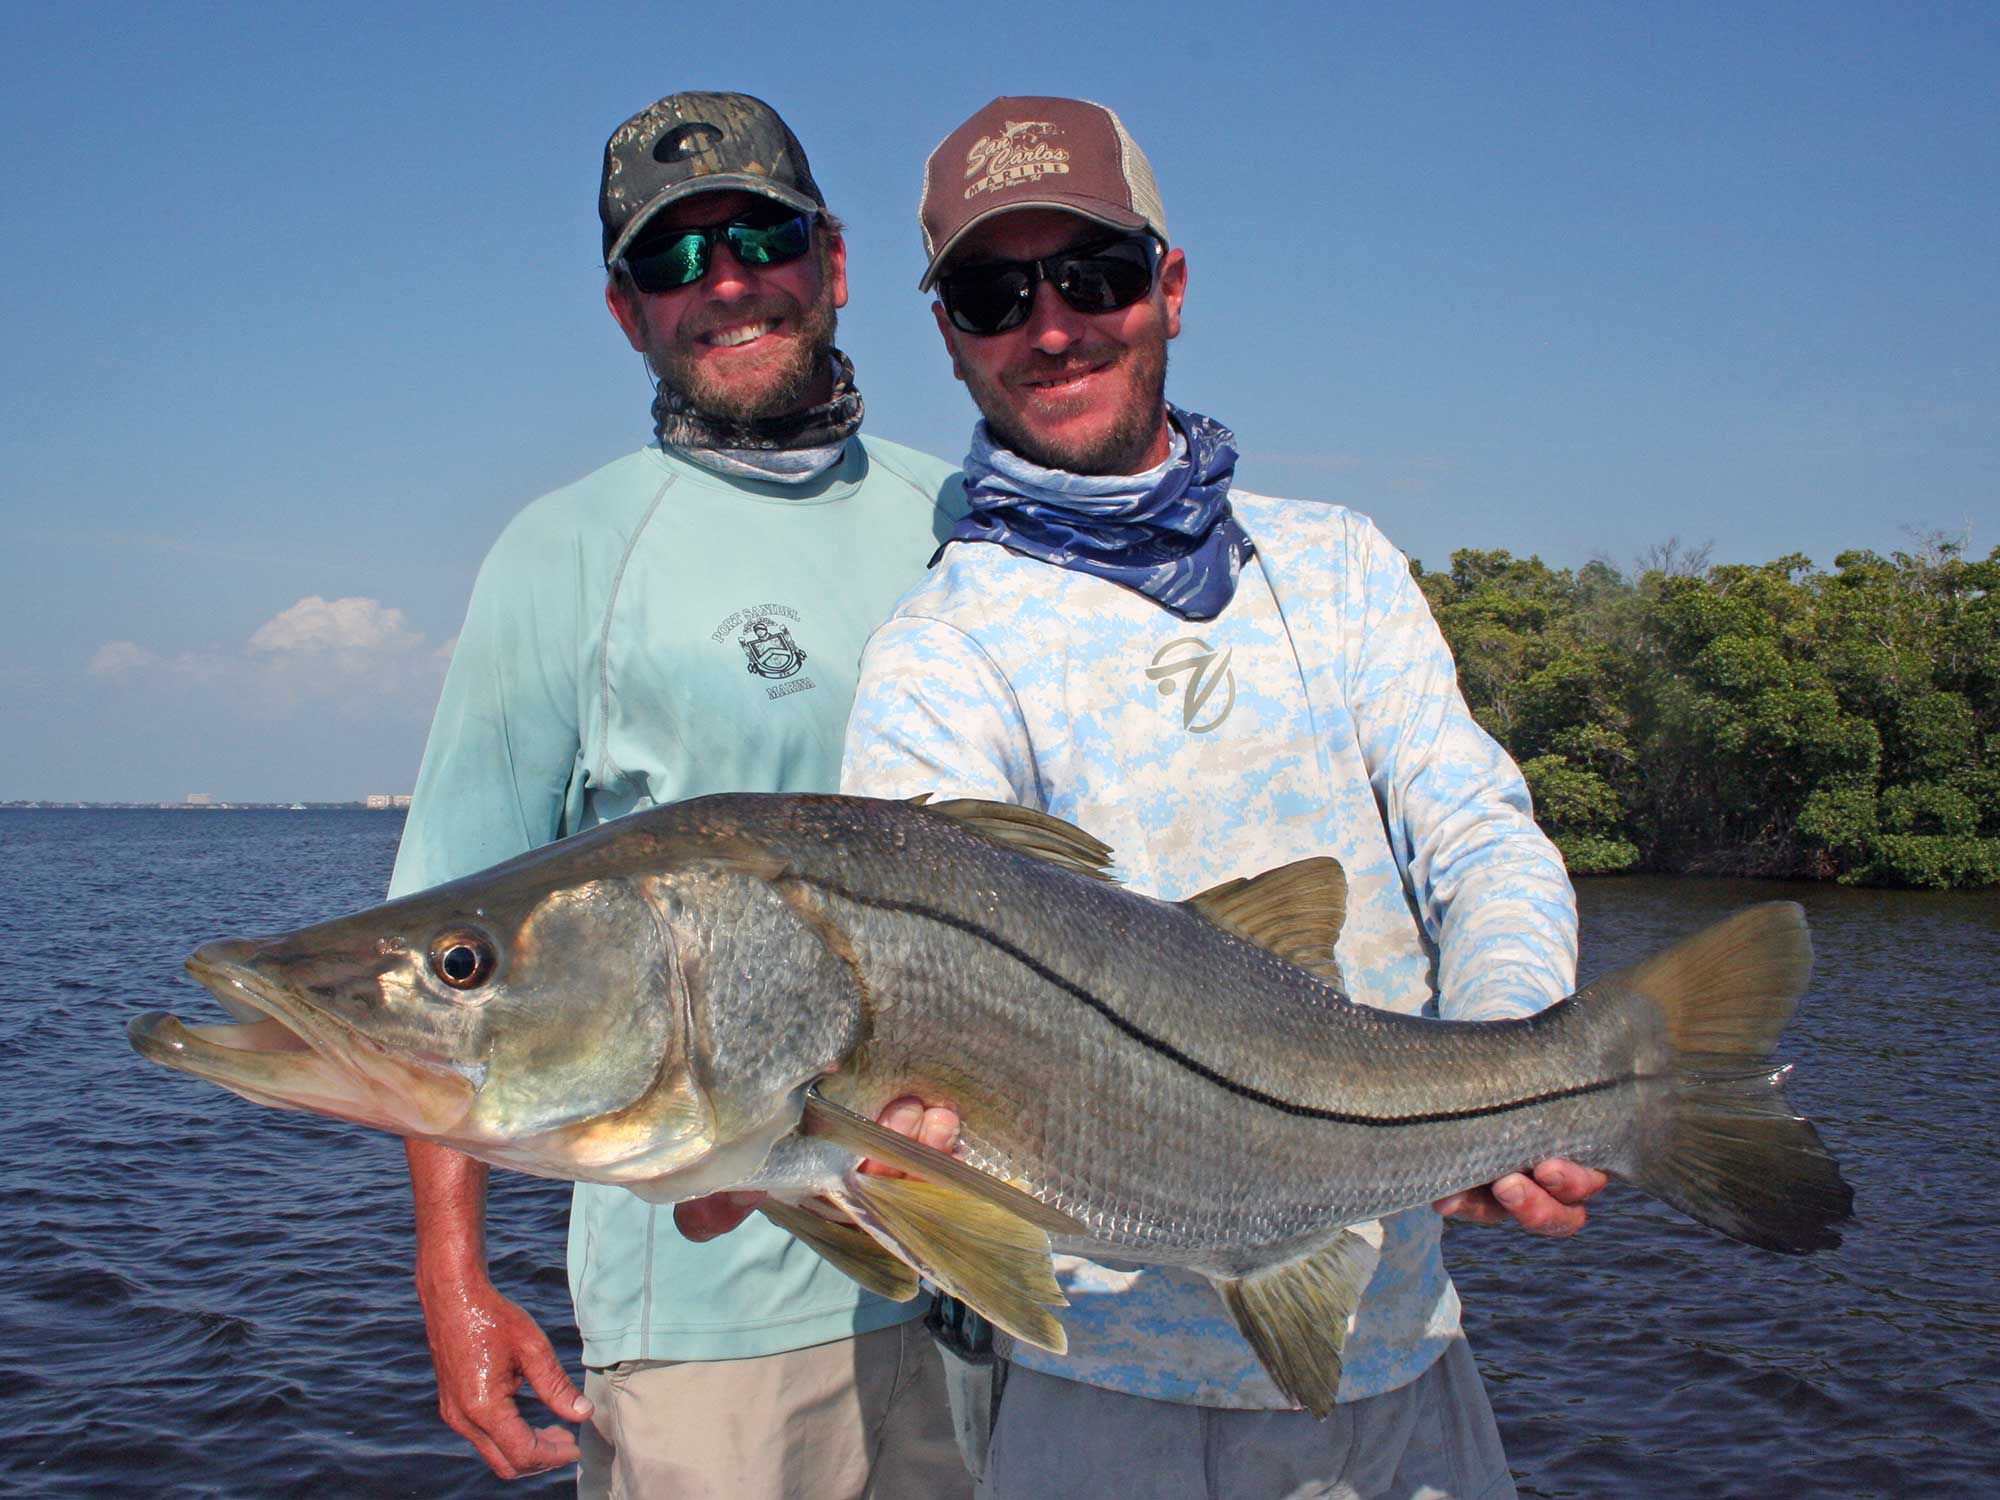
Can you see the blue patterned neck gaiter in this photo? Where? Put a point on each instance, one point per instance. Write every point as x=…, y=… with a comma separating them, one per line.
x=1166, y=533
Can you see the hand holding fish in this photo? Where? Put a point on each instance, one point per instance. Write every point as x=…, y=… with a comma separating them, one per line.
x=1550, y=1202
x=935, y=1126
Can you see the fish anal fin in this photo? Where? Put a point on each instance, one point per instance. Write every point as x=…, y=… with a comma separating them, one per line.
x=991, y=1260
x=866, y=1138
x=1296, y=911
x=848, y=1248
x=1027, y=831
x=1297, y=1316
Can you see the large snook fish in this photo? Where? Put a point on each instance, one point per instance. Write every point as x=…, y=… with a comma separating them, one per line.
x=722, y=993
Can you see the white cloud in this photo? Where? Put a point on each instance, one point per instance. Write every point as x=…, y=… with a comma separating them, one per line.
x=116, y=657
x=354, y=657
x=355, y=624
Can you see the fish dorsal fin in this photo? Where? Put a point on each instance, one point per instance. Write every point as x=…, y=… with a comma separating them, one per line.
x=848, y=1248
x=1295, y=911
x=1297, y=1316
x=1026, y=831
x=865, y=1137
x=993, y=1261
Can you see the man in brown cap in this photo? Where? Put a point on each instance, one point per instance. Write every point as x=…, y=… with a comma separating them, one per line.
x=1214, y=683
x=684, y=621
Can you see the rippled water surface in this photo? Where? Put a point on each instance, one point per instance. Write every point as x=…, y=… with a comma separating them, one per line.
x=203, y=1298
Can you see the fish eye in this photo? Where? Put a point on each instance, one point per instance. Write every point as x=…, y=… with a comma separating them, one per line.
x=463, y=959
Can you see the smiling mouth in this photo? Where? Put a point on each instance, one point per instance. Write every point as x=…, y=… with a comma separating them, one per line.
x=738, y=335
x=1072, y=374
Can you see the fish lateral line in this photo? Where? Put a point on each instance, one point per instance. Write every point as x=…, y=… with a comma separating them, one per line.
x=1200, y=1069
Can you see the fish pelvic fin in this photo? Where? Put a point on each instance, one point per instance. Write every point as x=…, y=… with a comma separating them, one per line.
x=1297, y=1316
x=1027, y=831
x=1296, y=911
x=993, y=1261
x=1727, y=1150
x=848, y=1248
x=866, y=1138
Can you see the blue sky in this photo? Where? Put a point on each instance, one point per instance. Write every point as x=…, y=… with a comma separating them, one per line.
x=300, y=303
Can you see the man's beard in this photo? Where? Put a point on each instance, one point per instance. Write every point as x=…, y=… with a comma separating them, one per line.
x=783, y=389
x=1121, y=450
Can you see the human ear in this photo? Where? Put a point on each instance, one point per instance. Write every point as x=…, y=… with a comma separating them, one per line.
x=949, y=335
x=624, y=305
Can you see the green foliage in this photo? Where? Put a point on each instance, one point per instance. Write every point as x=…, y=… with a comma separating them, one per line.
x=1773, y=719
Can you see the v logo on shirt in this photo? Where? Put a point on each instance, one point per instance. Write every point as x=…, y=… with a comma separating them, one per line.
x=1205, y=670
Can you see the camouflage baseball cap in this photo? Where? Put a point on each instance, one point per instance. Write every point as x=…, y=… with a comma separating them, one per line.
x=698, y=143
x=1035, y=152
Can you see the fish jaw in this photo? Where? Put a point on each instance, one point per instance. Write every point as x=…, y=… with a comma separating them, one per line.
x=298, y=1056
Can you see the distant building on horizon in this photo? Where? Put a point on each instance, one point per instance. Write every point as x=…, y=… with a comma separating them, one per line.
x=383, y=801
x=201, y=799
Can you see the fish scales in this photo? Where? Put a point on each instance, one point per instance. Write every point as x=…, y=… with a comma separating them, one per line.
x=1253, y=1102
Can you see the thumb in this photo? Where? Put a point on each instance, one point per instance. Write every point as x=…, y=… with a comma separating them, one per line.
x=552, y=1383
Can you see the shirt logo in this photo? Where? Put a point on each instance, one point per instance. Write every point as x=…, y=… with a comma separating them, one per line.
x=1205, y=672
x=769, y=651
x=772, y=651
x=1018, y=154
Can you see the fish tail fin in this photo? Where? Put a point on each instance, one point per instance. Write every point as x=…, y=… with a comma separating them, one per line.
x=1728, y=1151
x=1737, y=1159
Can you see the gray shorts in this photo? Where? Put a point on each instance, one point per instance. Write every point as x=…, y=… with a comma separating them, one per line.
x=860, y=1419
x=1434, y=1439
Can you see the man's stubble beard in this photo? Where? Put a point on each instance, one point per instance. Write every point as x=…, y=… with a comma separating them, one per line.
x=1122, y=450
x=786, y=389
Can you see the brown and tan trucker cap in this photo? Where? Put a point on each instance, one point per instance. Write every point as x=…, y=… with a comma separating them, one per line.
x=1035, y=152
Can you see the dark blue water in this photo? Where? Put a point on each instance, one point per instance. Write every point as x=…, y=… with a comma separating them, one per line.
x=199, y=1297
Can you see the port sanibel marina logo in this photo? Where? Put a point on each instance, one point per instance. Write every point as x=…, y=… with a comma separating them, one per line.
x=764, y=634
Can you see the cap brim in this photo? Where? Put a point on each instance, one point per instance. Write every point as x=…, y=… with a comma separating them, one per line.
x=1095, y=209
x=741, y=182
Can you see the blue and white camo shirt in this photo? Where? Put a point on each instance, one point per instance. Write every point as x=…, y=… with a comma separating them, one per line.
x=1318, y=714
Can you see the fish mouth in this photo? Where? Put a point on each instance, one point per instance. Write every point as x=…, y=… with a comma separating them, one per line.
x=288, y=1054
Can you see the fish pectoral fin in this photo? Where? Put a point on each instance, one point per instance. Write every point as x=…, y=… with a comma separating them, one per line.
x=1297, y=1316
x=1296, y=911
x=991, y=1260
x=848, y=1248
x=1027, y=831
x=866, y=1138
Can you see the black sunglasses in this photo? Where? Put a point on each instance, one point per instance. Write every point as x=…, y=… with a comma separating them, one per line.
x=757, y=237
x=996, y=295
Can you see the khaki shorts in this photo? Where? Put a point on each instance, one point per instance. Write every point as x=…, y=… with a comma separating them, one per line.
x=859, y=1419
x=1434, y=1439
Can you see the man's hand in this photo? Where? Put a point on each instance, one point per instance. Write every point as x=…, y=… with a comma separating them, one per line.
x=1551, y=1202
x=484, y=1346
x=936, y=1126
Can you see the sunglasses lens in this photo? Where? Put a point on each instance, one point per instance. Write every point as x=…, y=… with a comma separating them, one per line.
x=770, y=244
x=668, y=264
x=987, y=299
x=1106, y=279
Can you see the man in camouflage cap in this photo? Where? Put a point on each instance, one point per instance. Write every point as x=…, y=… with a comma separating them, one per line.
x=684, y=621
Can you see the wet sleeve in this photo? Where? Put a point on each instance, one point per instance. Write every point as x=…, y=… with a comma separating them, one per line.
x=933, y=713
x=505, y=744
x=1490, y=887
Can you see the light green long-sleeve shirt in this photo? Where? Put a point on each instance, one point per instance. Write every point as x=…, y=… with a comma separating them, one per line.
x=650, y=633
